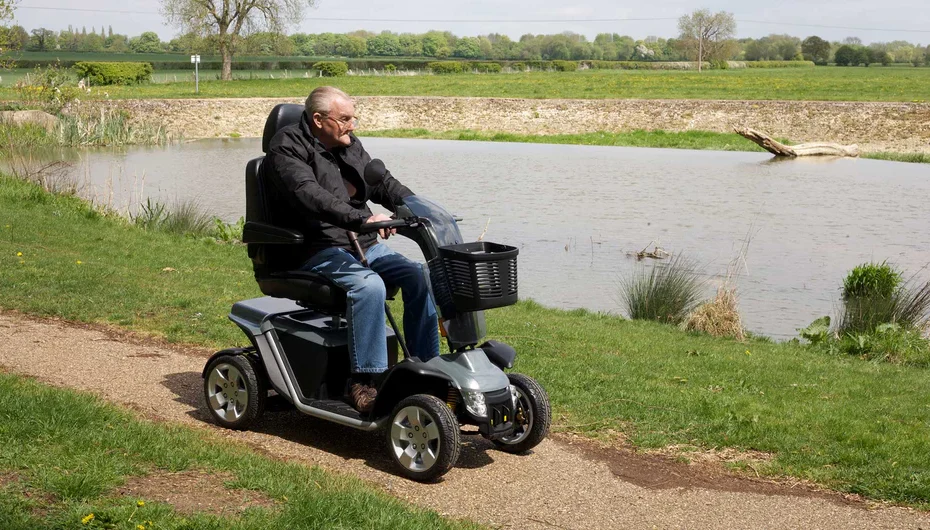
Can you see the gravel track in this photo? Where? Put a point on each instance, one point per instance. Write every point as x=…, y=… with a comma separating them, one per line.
x=565, y=483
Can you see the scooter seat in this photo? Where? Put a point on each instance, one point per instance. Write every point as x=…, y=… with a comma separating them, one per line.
x=309, y=289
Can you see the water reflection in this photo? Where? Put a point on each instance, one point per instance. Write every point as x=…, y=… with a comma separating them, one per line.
x=577, y=212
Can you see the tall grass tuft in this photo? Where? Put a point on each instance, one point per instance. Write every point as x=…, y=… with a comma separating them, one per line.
x=873, y=295
x=184, y=218
x=912, y=305
x=718, y=317
x=108, y=128
x=883, y=319
x=665, y=292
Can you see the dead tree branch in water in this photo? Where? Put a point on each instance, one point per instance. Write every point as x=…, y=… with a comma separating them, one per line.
x=809, y=149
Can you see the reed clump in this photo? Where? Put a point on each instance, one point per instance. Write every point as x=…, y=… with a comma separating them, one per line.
x=108, y=127
x=665, y=292
x=184, y=217
x=881, y=318
x=718, y=317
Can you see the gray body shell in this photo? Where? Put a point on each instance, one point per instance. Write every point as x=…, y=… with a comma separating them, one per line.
x=470, y=370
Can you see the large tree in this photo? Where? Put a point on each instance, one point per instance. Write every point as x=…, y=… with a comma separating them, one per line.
x=6, y=35
x=228, y=19
x=707, y=36
x=816, y=49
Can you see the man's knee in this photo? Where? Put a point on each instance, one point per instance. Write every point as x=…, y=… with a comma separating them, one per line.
x=371, y=286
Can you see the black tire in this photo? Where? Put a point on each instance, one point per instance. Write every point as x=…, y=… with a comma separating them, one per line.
x=243, y=401
x=427, y=417
x=533, y=416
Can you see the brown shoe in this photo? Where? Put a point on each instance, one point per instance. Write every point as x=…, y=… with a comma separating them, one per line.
x=363, y=397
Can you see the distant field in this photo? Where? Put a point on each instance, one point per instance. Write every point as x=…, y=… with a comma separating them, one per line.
x=817, y=84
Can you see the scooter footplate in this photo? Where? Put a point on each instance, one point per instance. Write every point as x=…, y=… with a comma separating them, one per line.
x=335, y=406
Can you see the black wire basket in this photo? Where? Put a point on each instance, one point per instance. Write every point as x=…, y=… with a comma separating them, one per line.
x=480, y=275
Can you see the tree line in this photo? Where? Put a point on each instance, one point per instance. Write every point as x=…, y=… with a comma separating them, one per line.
x=444, y=44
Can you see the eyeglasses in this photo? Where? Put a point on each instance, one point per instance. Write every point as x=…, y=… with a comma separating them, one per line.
x=344, y=123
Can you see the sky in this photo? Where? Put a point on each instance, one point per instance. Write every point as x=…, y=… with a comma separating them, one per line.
x=871, y=21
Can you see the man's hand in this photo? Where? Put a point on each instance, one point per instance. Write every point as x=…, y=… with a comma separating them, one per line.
x=385, y=232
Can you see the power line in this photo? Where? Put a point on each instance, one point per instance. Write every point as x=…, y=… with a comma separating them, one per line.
x=115, y=11
x=331, y=19
x=834, y=27
x=485, y=20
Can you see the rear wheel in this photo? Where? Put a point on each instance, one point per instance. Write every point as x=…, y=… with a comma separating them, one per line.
x=423, y=437
x=234, y=391
x=531, y=417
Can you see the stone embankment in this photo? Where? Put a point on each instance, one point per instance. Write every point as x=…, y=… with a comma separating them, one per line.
x=901, y=127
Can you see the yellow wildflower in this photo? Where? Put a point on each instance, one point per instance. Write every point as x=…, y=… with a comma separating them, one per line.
x=19, y=254
x=79, y=262
x=140, y=503
x=747, y=352
x=140, y=527
x=88, y=518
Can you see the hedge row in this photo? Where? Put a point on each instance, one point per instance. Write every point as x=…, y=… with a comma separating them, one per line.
x=121, y=73
x=331, y=68
x=246, y=65
x=457, y=67
x=778, y=64
x=401, y=64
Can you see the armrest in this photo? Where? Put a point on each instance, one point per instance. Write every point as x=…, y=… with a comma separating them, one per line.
x=266, y=234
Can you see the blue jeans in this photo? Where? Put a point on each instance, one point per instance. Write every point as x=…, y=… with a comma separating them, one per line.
x=365, y=303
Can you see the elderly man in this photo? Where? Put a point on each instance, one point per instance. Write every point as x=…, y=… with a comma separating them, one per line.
x=314, y=176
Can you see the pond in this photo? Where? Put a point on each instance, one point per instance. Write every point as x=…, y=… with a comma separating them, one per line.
x=579, y=214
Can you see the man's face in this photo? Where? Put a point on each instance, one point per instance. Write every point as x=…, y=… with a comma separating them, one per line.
x=333, y=127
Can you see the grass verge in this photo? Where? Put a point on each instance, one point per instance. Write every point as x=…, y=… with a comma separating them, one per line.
x=69, y=451
x=639, y=138
x=841, y=421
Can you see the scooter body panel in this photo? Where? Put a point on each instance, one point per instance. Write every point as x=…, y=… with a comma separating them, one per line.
x=471, y=370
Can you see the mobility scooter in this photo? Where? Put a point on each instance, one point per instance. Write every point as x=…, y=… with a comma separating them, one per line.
x=299, y=342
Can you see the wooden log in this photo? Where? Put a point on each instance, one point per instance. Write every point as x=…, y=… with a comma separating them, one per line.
x=807, y=149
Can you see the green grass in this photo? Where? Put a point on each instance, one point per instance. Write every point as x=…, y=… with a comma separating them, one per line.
x=917, y=158
x=822, y=83
x=847, y=423
x=68, y=451
x=638, y=138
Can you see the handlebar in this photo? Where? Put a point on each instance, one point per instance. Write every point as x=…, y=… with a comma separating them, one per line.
x=374, y=227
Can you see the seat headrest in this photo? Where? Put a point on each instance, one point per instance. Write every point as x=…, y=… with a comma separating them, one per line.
x=282, y=115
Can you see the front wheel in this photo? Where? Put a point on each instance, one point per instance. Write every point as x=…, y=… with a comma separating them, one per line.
x=234, y=391
x=423, y=437
x=531, y=417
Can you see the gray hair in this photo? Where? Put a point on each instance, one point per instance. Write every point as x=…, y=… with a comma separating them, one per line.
x=321, y=99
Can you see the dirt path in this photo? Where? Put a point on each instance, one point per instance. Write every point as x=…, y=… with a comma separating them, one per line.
x=565, y=483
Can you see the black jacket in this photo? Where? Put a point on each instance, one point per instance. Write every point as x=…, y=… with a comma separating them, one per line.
x=305, y=191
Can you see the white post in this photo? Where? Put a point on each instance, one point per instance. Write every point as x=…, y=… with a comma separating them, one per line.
x=196, y=60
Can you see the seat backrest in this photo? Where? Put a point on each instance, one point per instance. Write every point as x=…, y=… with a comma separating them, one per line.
x=256, y=209
x=282, y=115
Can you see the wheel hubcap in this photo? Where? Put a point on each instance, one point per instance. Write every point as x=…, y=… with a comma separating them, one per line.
x=415, y=438
x=523, y=419
x=226, y=392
